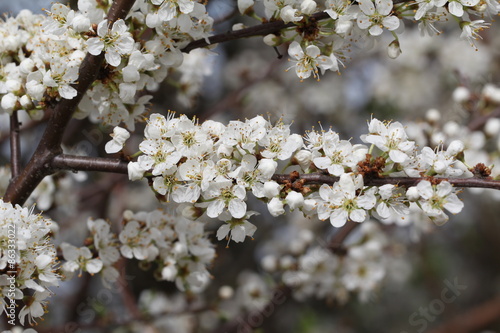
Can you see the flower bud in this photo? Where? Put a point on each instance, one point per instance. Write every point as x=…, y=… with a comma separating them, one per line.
x=272, y=40
x=492, y=127
x=269, y=263
x=491, y=93
x=238, y=26
x=9, y=102
x=271, y=189
x=80, y=23
x=393, y=50
x=226, y=292
x=275, y=207
x=288, y=14
x=412, y=194
x=267, y=167
x=303, y=158
x=343, y=27
x=26, y=66
x=455, y=148
x=433, y=115
x=26, y=102
x=245, y=6
x=13, y=86
x=294, y=200
x=308, y=7
x=36, y=114
x=461, y=94
x=135, y=172
x=451, y=128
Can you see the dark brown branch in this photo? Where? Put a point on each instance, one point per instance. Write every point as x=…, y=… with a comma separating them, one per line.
x=257, y=30
x=336, y=243
x=15, y=145
x=473, y=320
x=84, y=163
x=316, y=178
x=477, y=123
x=50, y=145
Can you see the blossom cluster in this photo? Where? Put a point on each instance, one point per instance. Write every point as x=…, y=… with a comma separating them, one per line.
x=35, y=261
x=312, y=270
x=178, y=248
x=324, y=41
x=41, y=54
x=211, y=167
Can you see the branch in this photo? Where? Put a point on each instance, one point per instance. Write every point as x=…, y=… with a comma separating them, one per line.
x=257, y=30
x=336, y=243
x=49, y=147
x=473, y=320
x=477, y=123
x=317, y=178
x=84, y=163
x=103, y=164
x=15, y=145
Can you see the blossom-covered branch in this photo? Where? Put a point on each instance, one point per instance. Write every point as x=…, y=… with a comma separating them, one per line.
x=50, y=144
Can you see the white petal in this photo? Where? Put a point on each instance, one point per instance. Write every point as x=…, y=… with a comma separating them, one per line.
x=456, y=8
x=338, y=218
x=237, y=208
x=358, y=215
x=93, y=266
x=238, y=234
x=113, y=58
x=223, y=231
x=453, y=204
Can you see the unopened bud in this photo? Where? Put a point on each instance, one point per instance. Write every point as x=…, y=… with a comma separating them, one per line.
x=412, y=194
x=245, y=6
x=303, y=158
x=492, y=126
x=455, y=148
x=238, y=26
x=461, y=95
x=491, y=93
x=308, y=7
x=226, y=292
x=393, y=50
x=272, y=40
x=433, y=115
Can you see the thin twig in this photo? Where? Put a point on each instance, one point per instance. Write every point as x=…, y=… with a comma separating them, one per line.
x=15, y=145
x=257, y=30
x=84, y=163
